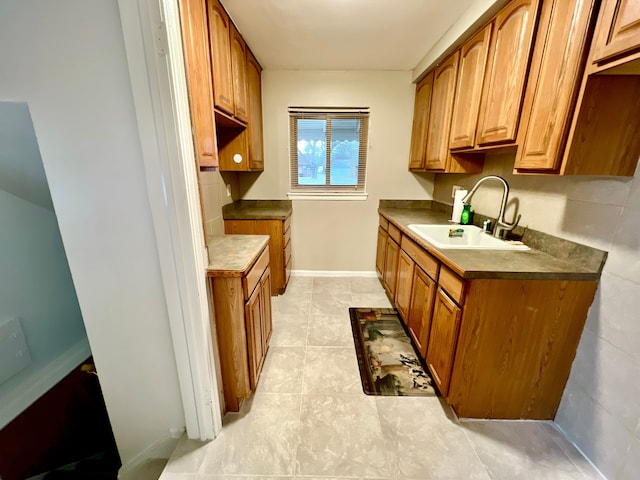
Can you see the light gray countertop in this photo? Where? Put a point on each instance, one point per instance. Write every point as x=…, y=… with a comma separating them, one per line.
x=233, y=255
x=550, y=258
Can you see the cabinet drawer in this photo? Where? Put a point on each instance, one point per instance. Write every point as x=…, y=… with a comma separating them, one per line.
x=287, y=252
x=286, y=224
x=287, y=270
x=286, y=236
x=252, y=278
x=394, y=232
x=422, y=258
x=384, y=223
x=452, y=284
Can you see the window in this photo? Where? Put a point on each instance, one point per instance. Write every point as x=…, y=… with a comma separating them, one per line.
x=328, y=151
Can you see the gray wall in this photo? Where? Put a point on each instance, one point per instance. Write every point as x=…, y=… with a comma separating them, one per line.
x=319, y=226
x=67, y=61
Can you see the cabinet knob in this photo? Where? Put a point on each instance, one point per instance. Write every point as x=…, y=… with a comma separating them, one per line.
x=237, y=158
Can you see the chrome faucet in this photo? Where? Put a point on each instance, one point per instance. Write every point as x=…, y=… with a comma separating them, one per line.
x=502, y=225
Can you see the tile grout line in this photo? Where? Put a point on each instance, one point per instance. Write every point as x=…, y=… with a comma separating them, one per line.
x=304, y=365
x=557, y=427
x=475, y=452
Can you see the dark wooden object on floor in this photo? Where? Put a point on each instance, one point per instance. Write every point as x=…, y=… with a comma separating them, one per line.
x=67, y=424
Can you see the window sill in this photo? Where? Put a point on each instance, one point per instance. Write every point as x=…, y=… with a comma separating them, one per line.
x=327, y=196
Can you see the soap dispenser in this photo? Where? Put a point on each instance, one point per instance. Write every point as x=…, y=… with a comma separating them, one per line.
x=467, y=215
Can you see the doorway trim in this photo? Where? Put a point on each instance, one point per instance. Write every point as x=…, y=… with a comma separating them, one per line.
x=153, y=44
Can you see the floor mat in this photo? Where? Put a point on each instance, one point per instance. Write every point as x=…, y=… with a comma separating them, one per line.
x=389, y=365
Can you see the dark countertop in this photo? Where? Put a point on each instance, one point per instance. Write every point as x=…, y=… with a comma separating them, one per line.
x=257, y=210
x=550, y=258
x=233, y=255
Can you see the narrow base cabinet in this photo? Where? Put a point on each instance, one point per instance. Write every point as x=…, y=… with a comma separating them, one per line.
x=242, y=306
x=279, y=232
x=496, y=348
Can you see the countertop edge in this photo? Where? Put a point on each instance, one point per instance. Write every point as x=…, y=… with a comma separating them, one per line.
x=257, y=210
x=441, y=255
x=250, y=260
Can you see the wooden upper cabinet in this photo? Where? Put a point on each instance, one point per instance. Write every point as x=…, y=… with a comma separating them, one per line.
x=239, y=74
x=193, y=21
x=422, y=105
x=444, y=89
x=618, y=30
x=507, y=69
x=219, y=33
x=554, y=82
x=254, y=94
x=473, y=61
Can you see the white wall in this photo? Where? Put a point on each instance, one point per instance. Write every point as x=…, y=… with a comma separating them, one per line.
x=37, y=289
x=477, y=13
x=600, y=409
x=66, y=59
x=319, y=227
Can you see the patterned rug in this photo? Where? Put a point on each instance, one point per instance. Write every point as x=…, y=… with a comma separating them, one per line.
x=389, y=365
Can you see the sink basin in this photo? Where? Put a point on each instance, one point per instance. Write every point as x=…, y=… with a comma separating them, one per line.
x=472, y=238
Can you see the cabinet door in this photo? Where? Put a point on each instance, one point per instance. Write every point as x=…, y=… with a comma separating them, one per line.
x=419, y=322
x=506, y=75
x=239, y=73
x=254, y=93
x=219, y=33
x=266, y=323
x=555, y=78
x=421, y=110
x=444, y=89
x=381, y=251
x=618, y=29
x=403, y=286
x=253, y=318
x=443, y=339
x=391, y=266
x=193, y=17
x=473, y=62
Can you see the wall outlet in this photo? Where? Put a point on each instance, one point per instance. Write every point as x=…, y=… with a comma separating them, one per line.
x=228, y=189
x=454, y=189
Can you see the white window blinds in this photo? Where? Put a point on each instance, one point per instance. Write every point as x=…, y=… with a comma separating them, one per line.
x=328, y=149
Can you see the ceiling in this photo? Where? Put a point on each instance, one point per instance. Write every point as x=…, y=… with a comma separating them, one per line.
x=343, y=34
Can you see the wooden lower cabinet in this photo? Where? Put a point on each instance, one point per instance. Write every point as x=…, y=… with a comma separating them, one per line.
x=380, y=251
x=258, y=320
x=406, y=267
x=279, y=232
x=242, y=306
x=387, y=255
x=443, y=338
x=423, y=291
x=496, y=348
x=392, y=252
x=517, y=341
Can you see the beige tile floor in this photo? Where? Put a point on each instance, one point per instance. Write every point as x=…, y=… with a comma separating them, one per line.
x=309, y=417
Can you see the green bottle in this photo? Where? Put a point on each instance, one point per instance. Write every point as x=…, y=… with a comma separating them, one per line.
x=465, y=218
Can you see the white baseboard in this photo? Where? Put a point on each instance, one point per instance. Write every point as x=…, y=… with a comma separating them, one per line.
x=35, y=382
x=331, y=273
x=160, y=449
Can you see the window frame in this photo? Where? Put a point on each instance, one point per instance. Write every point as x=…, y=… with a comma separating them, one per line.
x=328, y=191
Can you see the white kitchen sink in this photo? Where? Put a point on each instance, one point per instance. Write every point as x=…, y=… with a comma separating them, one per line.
x=447, y=236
